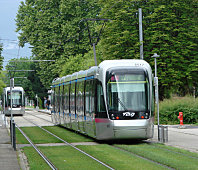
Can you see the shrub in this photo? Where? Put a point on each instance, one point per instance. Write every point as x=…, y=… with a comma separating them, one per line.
x=170, y=108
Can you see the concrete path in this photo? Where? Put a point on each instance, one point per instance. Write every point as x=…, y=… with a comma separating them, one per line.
x=185, y=137
x=8, y=157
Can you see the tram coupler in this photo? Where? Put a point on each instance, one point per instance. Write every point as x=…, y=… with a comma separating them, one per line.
x=180, y=117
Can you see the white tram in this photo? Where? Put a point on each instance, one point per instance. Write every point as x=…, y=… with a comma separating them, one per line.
x=18, y=101
x=111, y=101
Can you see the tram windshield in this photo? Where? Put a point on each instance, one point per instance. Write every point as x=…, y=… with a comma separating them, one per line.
x=16, y=98
x=127, y=90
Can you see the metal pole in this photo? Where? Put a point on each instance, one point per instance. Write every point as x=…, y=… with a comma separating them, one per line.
x=11, y=84
x=141, y=34
x=94, y=49
x=14, y=135
x=157, y=94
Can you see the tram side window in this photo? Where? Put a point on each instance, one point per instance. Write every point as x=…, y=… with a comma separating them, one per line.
x=53, y=99
x=61, y=99
x=80, y=98
x=101, y=111
x=87, y=99
x=92, y=96
x=57, y=101
x=72, y=98
x=66, y=98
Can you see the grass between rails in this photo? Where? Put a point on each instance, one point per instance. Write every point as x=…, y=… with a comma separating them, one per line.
x=37, y=135
x=66, y=158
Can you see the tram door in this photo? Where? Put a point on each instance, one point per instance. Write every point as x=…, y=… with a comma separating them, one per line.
x=90, y=127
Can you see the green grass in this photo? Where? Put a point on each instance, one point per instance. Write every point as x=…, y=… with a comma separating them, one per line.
x=65, y=157
x=119, y=159
x=37, y=135
x=35, y=161
x=62, y=157
x=166, y=157
x=181, y=151
x=20, y=139
x=170, y=108
x=68, y=135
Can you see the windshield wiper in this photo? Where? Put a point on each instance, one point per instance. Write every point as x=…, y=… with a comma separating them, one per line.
x=125, y=108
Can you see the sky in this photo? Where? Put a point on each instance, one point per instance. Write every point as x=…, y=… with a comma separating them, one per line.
x=8, y=35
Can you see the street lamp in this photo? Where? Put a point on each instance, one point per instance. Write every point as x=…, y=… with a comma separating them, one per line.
x=155, y=56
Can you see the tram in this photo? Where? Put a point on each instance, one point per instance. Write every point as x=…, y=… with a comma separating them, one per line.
x=111, y=101
x=18, y=101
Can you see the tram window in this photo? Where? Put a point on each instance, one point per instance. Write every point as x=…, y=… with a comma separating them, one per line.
x=80, y=98
x=66, y=98
x=16, y=98
x=87, y=99
x=53, y=99
x=72, y=98
x=57, y=99
x=101, y=111
x=92, y=96
x=128, y=91
x=61, y=99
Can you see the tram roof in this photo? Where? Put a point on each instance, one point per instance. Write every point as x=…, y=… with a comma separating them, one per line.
x=124, y=62
x=103, y=65
x=14, y=88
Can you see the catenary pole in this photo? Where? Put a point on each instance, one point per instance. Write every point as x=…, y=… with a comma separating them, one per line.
x=141, y=34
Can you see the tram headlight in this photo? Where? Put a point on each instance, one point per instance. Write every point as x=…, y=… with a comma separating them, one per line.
x=112, y=116
x=143, y=115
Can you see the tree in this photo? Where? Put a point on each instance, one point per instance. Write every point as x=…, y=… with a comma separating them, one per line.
x=170, y=29
x=30, y=81
x=54, y=30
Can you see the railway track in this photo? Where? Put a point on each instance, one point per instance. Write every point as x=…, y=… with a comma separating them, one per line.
x=51, y=165
x=35, y=115
x=116, y=147
x=67, y=143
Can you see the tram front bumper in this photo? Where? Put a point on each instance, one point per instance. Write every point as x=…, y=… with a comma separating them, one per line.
x=133, y=129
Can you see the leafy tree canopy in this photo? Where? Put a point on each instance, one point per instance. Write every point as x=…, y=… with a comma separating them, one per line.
x=55, y=30
x=29, y=80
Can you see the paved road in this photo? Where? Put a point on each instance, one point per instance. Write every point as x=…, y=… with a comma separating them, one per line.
x=186, y=137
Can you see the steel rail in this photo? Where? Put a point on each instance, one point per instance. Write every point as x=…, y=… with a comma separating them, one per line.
x=165, y=166
x=52, y=166
x=40, y=117
x=107, y=166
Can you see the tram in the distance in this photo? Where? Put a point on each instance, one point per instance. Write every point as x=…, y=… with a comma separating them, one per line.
x=111, y=101
x=18, y=101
